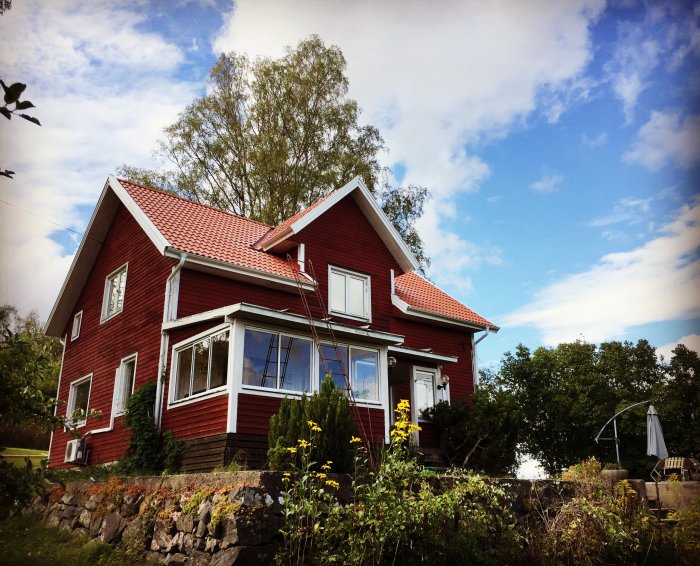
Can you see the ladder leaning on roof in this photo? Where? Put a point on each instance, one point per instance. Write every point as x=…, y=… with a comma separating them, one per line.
x=304, y=277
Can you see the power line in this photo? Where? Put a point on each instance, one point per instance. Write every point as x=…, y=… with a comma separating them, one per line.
x=42, y=217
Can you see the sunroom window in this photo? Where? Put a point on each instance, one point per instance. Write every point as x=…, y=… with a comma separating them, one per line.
x=276, y=361
x=201, y=366
x=362, y=371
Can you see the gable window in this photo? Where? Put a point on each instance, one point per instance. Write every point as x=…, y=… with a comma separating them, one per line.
x=78, y=401
x=77, y=321
x=348, y=293
x=115, y=287
x=124, y=383
x=362, y=369
x=276, y=361
x=201, y=366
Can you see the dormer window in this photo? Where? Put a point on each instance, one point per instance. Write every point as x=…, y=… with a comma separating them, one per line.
x=348, y=293
x=115, y=288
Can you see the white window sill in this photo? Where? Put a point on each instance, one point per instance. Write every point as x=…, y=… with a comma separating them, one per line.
x=223, y=390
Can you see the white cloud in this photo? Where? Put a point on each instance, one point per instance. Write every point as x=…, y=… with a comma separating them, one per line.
x=103, y=90
x=691, y=341
x=628, y=210
x=658, y=281
x=547, y=184
x=667, y=138
x=438, y=80
x=594, y=142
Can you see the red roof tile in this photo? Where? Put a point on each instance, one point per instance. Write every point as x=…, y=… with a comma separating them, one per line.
x=206, y=231
x=421, y=294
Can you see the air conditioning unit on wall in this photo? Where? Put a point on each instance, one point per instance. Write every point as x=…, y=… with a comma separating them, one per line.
x=75, y=452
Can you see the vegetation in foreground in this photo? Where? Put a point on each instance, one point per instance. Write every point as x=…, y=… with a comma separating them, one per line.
x=24, y=543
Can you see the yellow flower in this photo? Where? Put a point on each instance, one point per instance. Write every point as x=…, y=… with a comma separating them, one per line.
x=327, y=465
x=292, y=450
x=286, y=474
x=332, y=483
x=320, y=475
x=355, y=440
x=303, y=443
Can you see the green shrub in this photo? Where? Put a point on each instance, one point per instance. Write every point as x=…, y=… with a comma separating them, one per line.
x=329, y=409
x=149, y=449
x=20, y=484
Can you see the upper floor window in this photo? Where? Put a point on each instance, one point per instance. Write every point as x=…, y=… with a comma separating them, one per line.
x=124, y=384
x=115, y=287
x=77, y=321
x=78, y=401
x=348, y=293
x=201, y=366
x=276, y=361
x=362, y=371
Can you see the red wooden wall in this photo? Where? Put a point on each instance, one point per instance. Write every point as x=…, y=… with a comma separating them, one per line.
x=101, y=346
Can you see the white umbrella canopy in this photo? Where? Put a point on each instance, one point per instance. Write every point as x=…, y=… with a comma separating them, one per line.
x=655, y=437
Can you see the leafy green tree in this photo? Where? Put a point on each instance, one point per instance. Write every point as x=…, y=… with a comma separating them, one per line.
x=678, y=403
x=567, y=393
x=482, y=435
x=272, y=136
x=29, y=366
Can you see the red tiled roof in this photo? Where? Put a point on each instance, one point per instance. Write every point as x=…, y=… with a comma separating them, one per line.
x=421, y=294
x=206, y=231
x=280, y=228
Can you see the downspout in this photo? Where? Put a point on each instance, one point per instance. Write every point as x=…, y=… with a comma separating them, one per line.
x=475, y=363
x=162, y=357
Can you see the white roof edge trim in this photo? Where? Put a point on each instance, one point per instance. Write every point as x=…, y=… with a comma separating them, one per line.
x=234, y=268
x=405, y=308
x=84, y=239
x=409, y=262
x=246, y=308
x=141, y=217
x=421, y=354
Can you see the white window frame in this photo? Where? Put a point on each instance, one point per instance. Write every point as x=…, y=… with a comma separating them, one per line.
x=351, y=347
x=70, y=408
x=106, y=315
x=367, y=296
x=120, y=394
x=188, y=343
x=312, y=361
x=77, y=323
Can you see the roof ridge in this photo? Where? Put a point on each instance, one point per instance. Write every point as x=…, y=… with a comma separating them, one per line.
x=169, y=194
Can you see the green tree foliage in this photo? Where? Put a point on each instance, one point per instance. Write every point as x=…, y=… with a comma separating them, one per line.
x=566, y=394
x=30, y=363
x=330, y=410
x=481, y=435
x=679, y=403
x=272, y=136
x=12, y=107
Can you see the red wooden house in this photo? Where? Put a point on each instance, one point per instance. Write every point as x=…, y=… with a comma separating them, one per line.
x=230, y=315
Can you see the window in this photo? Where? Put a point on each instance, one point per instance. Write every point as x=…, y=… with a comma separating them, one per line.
x=425, y=390
x=77, y=321
x=201, y=366
x=78, y=400
x=115, y=287
x=276, y=361
x=362, y=371
x=124, y=383
x=349, y=293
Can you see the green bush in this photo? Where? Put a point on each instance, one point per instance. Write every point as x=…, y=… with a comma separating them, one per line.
x=149, y=449
x=20, y=484
x=329, y=409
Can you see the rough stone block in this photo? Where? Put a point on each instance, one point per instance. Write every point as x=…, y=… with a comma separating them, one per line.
x=112, y=527
x=244, y=556
x=211, y=544
x=185, y=523
x=70, y=499
x=95, y=525
x=177, y=559
x=85, y=518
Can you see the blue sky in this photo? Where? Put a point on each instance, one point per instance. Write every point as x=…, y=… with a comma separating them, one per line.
x=560, y=141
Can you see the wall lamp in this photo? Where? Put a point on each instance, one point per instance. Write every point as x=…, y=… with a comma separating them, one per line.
x=391, y=360
x=444, y=382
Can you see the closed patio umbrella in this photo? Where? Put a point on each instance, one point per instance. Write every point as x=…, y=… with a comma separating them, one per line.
x=655, y=438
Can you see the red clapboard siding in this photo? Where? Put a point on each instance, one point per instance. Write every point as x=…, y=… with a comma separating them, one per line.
x=452, y=342
x=200, y=418
x=254, y=412
x=370, y=423
x=344, y=237
x=101, y=346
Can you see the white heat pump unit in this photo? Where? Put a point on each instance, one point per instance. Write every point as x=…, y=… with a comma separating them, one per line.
x=75, y=451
